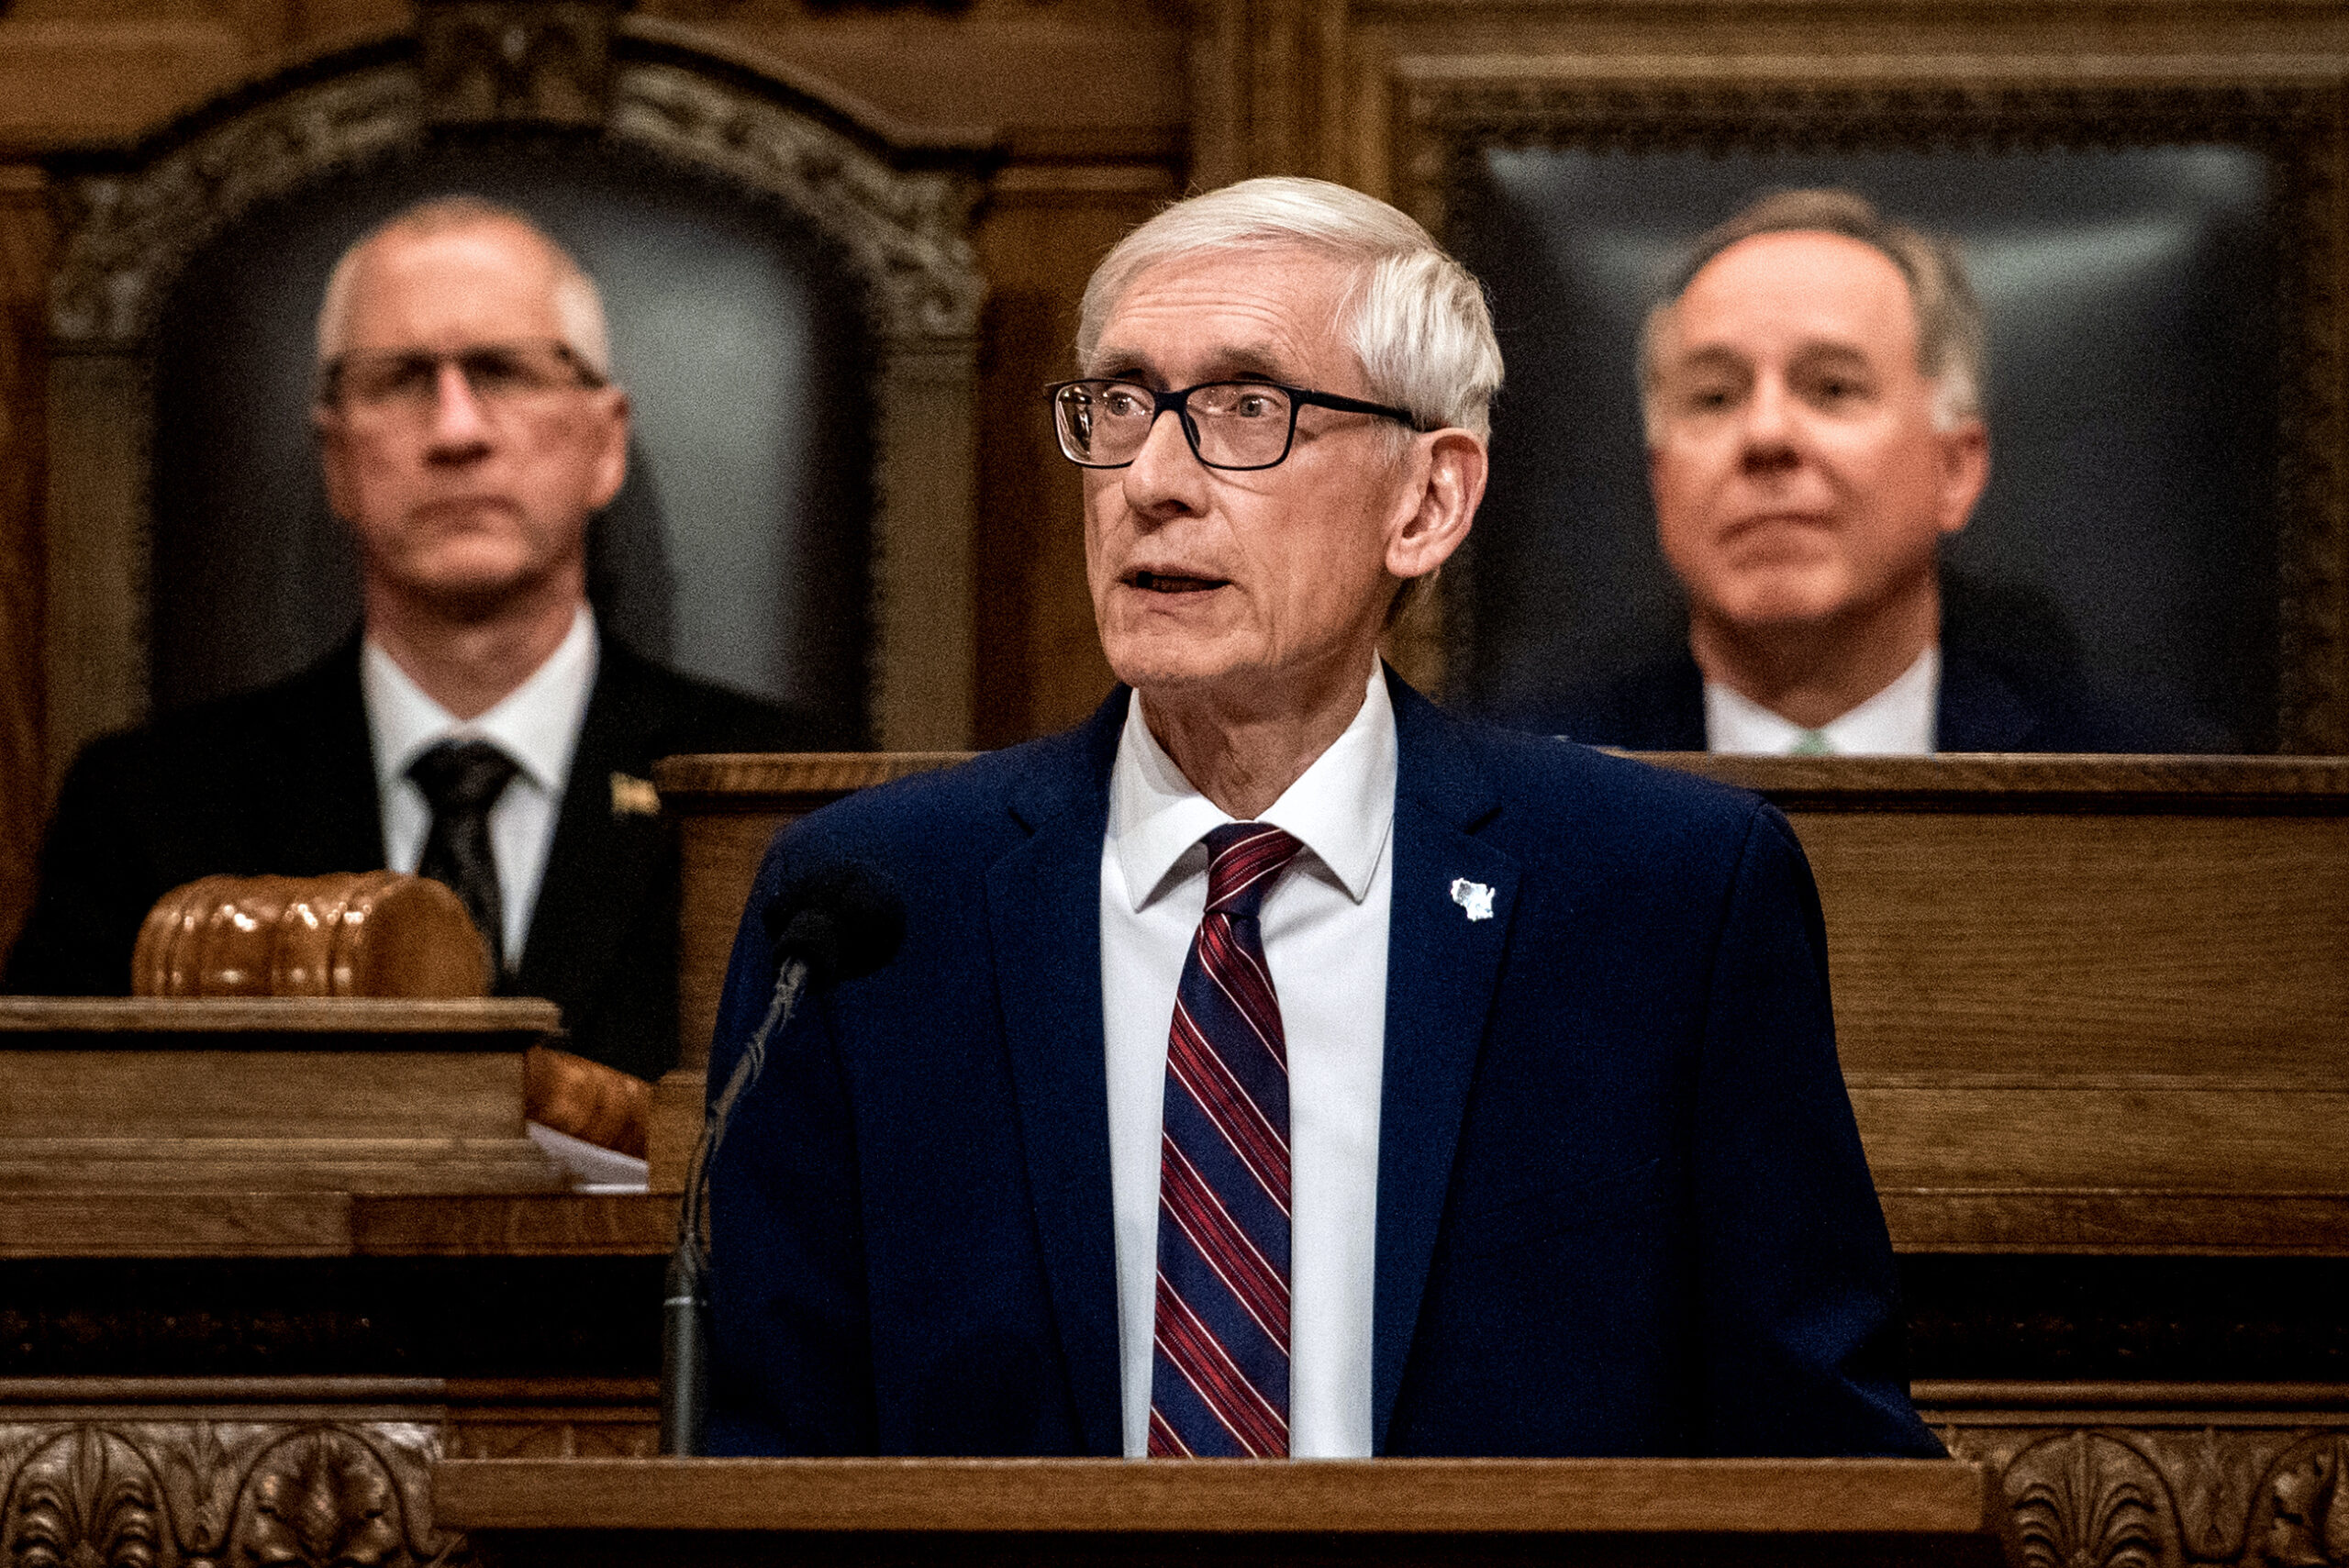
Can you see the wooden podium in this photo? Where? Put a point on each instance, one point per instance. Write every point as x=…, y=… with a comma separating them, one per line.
x=1099, y=1513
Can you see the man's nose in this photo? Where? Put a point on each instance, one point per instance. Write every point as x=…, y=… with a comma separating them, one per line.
x=1771, y=427
x=459, y=423
x=1166, y=478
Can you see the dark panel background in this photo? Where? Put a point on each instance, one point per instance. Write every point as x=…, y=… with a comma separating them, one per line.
x=737, y=550
x=2131, y=300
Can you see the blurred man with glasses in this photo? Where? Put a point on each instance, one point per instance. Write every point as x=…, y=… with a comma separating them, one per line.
x=1275, y=1066
x=477, y=727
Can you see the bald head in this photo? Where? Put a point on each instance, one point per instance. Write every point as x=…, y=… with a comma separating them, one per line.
x=495, y=239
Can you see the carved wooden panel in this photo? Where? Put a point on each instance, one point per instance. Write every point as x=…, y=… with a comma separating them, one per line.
x=2229, y=1475
x=151, y=1494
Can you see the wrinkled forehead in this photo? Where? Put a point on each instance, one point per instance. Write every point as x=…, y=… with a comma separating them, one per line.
x=1772, y=294
x=1281, y=312
x=478, y=282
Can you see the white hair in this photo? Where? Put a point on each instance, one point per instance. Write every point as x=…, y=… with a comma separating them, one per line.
x=1414, y=317
x=578, y=306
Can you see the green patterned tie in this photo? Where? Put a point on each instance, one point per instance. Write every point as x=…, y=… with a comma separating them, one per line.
x=1811, y=743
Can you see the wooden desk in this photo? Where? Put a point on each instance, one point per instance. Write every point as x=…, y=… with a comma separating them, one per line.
x=720, y=1513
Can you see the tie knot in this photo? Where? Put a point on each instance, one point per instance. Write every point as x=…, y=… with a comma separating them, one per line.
x=463, y=775
x=1242, y=859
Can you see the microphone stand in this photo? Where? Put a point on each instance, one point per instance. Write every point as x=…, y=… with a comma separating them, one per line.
x=684, y=1307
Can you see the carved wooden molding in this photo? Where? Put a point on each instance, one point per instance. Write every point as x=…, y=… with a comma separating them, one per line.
x=548, y=63
x=126, y=235
x=2251, y=1493
x=299, y=1494
x=1448, y=111
x=907, y=230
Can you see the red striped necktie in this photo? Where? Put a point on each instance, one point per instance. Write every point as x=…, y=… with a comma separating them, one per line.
x=1219, y=1383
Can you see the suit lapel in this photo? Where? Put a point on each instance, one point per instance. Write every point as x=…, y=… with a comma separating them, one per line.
x=600, y=859
x=323, y=817
x=1442, y=968
x=1044, y=914
x=1976, y=710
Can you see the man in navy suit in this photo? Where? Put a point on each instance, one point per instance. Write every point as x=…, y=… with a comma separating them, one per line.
x=1274, y=1065
x=1812, y=390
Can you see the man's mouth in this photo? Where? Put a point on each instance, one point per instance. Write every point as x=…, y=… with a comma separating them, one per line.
x=1171, y=582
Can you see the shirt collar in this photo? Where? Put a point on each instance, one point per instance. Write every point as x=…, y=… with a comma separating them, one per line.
x=1898, y=721
x=537, y=723
x=1341, y=808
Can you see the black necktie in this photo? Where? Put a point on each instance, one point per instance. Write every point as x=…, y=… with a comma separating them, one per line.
x=463, y=779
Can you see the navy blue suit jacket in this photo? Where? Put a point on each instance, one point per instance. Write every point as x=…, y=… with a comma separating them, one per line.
x=1985, y=705
x=1622, y=1207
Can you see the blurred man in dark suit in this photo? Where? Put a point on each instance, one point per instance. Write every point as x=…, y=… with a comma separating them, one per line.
x=477, y=727
x=1813, y=398
x=1273, y=1065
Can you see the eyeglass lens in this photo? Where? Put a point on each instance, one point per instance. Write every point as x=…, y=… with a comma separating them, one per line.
x=493, y=372
x=1232, y=423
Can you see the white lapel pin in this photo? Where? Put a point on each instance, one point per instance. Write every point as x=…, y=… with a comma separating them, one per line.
x=1473, y=897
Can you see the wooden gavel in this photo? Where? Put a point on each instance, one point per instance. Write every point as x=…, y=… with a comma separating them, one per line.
x=377, y=933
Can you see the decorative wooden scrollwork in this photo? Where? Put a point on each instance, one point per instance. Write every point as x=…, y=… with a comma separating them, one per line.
x=213, y=1494
x=2246, y=1496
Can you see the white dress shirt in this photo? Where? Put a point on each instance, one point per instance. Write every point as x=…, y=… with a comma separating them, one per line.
x=1324, y=926
x=536, y=724
x=1896, y=722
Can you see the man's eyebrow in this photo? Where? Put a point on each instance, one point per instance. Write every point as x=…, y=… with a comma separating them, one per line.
x=1711, y=356
x=1112, y=363
x=1823, y=349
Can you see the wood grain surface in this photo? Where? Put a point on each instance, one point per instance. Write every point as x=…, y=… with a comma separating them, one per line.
x=271, y=1019
x=762, y=781
x=228, y=1092
x=1435, y=1496
x=2213, y=1135
x=2033, y=782
x=2140, y=943
x=111, y=1222
x=508, y=1226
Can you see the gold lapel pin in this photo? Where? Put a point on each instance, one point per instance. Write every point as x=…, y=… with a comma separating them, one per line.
x=633, y=796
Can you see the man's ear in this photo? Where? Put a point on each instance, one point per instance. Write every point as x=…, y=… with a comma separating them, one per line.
x=611, y=458
x=1448, y=482
x=1966, y=472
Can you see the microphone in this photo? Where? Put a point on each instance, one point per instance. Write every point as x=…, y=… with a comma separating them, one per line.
x=841, y=922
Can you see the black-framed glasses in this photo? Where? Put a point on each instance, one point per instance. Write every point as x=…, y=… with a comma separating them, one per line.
x=1242, y=425
x=408, y=380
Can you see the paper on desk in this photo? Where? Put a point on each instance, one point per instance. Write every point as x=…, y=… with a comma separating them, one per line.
x=591, y=1167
